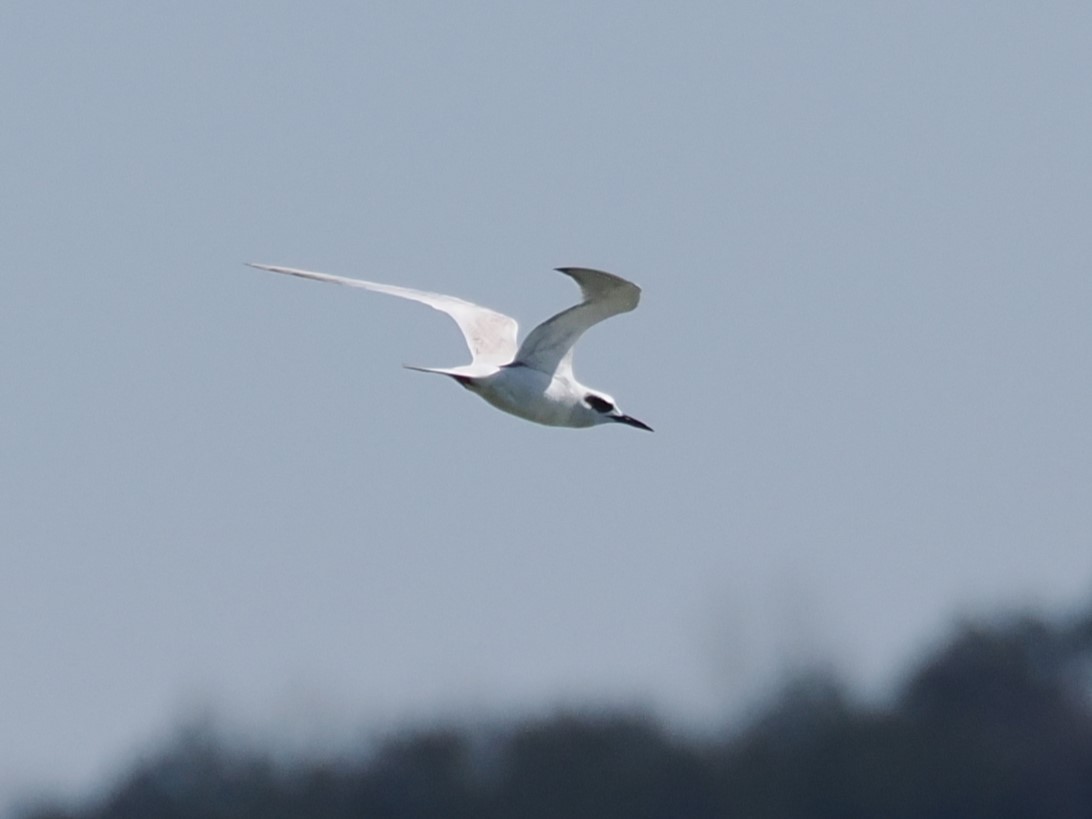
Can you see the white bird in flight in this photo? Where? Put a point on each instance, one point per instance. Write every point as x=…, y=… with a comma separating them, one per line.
x=533, y=380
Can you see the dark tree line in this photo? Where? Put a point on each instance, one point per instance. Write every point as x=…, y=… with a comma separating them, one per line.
x=996, y=723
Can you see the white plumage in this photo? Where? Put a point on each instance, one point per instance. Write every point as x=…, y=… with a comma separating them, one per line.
x=533, y=380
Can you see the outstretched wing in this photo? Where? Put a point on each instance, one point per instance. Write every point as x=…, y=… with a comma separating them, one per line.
x=549, y=346
x=491, y=336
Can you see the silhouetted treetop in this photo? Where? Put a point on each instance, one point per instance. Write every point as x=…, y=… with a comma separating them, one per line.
x=995, y=723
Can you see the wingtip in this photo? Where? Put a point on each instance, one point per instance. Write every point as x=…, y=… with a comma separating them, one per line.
x=575, y=269
x=271, y=268
x=584, y=276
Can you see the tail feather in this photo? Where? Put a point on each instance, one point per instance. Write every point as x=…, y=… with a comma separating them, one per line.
x=464, y=375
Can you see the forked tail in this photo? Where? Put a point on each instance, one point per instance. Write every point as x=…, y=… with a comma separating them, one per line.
x=464, y=375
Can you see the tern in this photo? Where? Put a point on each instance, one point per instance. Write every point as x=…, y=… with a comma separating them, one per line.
x=533, y=380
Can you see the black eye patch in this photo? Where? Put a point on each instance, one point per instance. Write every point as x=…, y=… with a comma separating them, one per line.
x=598, y=404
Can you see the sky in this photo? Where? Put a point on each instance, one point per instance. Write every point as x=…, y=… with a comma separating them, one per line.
x=862, y=233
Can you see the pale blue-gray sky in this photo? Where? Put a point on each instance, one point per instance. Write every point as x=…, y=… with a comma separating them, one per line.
x=863, y=236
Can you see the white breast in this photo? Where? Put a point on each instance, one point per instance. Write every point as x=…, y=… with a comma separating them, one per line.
x=534, y=396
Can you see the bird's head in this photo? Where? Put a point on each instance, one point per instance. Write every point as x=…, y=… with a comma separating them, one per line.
x=604, y=410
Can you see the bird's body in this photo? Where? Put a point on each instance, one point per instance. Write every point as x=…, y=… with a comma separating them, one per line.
x=534, y=396
x=534, y=380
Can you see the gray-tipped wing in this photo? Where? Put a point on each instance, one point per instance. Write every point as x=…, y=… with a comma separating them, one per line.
x=491, y=336
x=549, y=346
